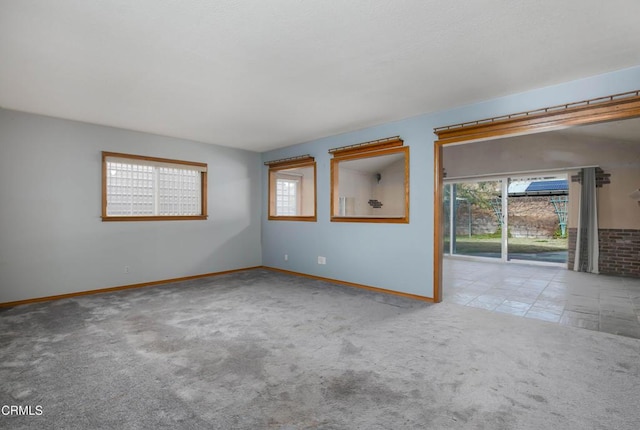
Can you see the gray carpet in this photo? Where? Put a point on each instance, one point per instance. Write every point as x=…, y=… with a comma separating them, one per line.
x=263, y=350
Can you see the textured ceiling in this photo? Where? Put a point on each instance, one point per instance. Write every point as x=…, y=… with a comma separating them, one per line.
x=259, y=74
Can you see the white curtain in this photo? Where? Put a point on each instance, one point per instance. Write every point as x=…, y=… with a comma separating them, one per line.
x=587, y=251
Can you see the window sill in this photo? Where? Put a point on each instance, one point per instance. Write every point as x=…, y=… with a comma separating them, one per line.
x=293, y=218
x=372, y=219
x=155, y=218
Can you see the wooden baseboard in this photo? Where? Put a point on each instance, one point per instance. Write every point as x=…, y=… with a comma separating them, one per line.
x=351, y=284
x=206, y=275
x=120, y=288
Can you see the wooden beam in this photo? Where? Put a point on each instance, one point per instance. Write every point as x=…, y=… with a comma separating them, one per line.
x=602, y=109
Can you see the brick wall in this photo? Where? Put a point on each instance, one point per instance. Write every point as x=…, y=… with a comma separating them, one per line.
x=572, y=236
x=619, y=251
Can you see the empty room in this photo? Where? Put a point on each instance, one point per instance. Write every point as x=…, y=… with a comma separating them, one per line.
x=369, y=214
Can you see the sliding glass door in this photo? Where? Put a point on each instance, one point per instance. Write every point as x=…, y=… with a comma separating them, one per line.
x=474, y=219
x=537, y=218
x=507, y=218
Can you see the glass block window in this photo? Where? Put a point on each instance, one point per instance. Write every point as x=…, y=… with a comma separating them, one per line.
x=178, y=191
x=287, y=201
x=142, y=188
x=292, y=189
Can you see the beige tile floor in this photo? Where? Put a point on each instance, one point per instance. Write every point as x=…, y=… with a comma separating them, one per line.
x=593, y=302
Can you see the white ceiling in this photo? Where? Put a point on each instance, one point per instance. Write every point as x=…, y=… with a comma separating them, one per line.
x=259, y=74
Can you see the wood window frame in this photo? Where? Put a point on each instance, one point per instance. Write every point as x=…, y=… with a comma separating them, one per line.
x=203, y=188
x=602, y=109
x=285, y=164
x=376, y=148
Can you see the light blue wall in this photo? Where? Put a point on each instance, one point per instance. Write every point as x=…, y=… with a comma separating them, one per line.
x=52, y=239
x=392, y=256
x=53, y=242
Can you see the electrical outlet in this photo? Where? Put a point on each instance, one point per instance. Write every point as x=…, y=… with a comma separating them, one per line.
x=286, y=257
x=322, y=260
x=127, y=269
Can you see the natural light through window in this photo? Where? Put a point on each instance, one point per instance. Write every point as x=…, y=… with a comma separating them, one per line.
x=287, y=202
x=141, y=188
x=292, y=189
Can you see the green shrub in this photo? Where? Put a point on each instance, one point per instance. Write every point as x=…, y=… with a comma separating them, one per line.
x=496, y=235
x=558, y=234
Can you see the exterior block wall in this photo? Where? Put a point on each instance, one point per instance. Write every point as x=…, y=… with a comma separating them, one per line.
x=533, y=217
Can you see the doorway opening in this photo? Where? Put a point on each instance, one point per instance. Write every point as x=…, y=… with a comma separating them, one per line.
x=599, y=110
